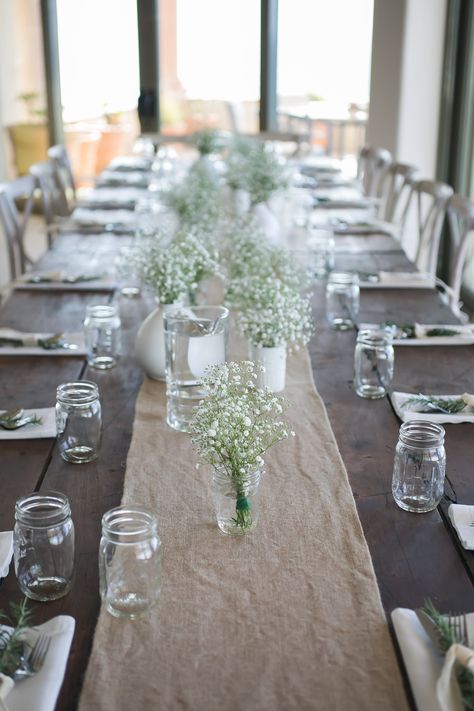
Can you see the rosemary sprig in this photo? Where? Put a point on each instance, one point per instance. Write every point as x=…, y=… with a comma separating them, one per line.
x=430, y=403
x=13, y=342
x=448, y=637
x=407, y=330
x=11, y=641
x=442, y=332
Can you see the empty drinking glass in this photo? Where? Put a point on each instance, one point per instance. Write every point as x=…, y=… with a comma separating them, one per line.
x=194, y=339
x=129, y=561
x=78, y=421
x=102, y=333
x=373, y=363
x=419, y=466
x=43, y=545
x=342, y=300
x=321, y=247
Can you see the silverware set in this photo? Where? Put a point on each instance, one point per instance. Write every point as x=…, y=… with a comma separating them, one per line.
x=33, y=660
x=14, y=419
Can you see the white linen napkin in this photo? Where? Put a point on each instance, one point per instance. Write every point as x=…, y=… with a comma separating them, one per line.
x=86, y=217
x=6, y=552
x=39, y=692
x=407, y=280
x=123, y=177
x=45, y=430
x=411, y=413
x=116, y=197
x=30, y=341
x=465, y=337
x=431, y=675
x=462, y=518
x=423, y=662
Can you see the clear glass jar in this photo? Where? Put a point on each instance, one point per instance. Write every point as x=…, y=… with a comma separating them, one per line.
x=321, y=248
x=78, y=421
x=373, y=364
x=342, y=300
x=43, y=545
x=419, y=466
x=129, y=561
x=194, y=339
x=236, y=501
x=102, y=334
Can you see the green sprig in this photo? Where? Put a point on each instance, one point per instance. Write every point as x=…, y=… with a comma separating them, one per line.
x=11, y=641
x=448, y=637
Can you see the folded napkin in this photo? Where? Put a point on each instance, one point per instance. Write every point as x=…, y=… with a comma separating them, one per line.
x=118, y=177
x=29, y=343
x=431, y=675
x=88, y=217
x=463, y=336
x=462, y=518
x=6, y=552
x=64, y=281
x=412, y=411
x=40, y=692
x=113, y=198
x=407, y=280
x=129, y=163
x=45, y=430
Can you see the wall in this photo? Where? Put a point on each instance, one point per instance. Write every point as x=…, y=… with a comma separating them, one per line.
x=407, y=67
x=407, y=64
x=21, y=68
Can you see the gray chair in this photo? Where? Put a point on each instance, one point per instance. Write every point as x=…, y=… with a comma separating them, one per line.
x=54, y=201
x=14, y=221
x=60, y=159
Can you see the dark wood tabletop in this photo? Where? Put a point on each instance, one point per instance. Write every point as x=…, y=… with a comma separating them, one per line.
x=415, y=556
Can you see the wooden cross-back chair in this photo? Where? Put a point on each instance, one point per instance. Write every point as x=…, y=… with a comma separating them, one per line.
x=372, y=168
x=430, y=200
x=54, y=202
x=60, y=159
x=14, y=220
x=460, y=212
x=397, y=188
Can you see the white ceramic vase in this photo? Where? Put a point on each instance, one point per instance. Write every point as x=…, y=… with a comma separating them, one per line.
x=274, y=362
x=150, y=343
x=241, y=201
x=268, y=222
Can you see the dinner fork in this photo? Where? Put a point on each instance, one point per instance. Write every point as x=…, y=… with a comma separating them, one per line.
x=458, y=626
x=33, y=661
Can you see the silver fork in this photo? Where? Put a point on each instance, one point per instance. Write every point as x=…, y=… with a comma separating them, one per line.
x=458, y=626
x=34, y=660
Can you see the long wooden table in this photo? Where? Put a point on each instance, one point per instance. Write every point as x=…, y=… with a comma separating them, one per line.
x=415, y=556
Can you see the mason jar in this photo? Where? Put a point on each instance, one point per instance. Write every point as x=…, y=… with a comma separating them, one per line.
x=129, y=561
x=342, y=300
x=373, y=363
x=43, y=545
x=78, y=421
x=102, y=335
x=419, y=466
x=236, y=501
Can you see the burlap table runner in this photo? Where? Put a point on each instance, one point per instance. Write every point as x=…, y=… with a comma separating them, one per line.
x=287, y=617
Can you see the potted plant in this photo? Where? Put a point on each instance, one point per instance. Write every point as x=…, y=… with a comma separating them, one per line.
x=29, y=138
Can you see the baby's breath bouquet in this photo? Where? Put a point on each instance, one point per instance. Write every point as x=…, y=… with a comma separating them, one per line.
x=274, y=314
x=256, y=170
x=208, y=141
x=196, y=199
x=174, y=270
x=232, y=429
